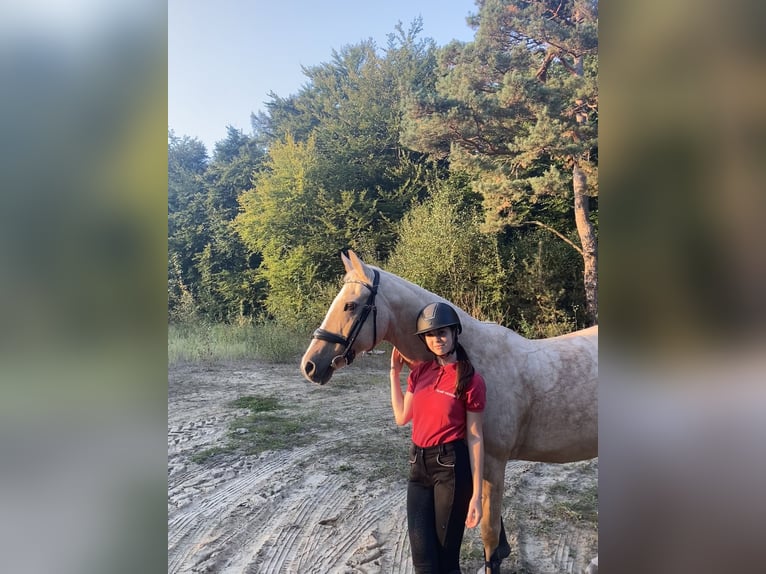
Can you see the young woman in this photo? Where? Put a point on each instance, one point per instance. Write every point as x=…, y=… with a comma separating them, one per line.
x=444, y=400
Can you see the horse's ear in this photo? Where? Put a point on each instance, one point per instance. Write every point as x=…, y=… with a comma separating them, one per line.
x=356, y=264
x=346, y=262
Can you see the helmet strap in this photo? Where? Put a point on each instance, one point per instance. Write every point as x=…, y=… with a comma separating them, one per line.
x=454, y=345
x=447, y=354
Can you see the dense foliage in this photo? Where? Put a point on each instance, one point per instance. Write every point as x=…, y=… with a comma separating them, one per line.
x=469, y=169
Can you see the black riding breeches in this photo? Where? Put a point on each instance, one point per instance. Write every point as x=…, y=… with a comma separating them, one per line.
x=438, y=494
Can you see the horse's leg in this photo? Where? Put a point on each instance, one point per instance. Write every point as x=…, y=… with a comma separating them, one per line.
x=496, y=545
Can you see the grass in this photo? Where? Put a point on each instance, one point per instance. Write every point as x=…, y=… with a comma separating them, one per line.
x=267, y=425
x=566, y=505
x=210, y=342
x=472, y=549
x=268, y=431
x=570, y=501
x=256, y=404
x=578, y=506
x=271, y=424
x=208, y=453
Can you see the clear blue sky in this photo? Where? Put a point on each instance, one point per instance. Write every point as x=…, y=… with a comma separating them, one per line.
x=225, y=56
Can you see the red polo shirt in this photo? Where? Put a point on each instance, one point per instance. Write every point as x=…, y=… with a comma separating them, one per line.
x=437, y=416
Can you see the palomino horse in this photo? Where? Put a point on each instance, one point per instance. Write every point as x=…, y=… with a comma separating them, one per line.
x=541, y=394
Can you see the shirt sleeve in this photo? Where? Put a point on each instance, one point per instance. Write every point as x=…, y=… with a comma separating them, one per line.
x=476, y=394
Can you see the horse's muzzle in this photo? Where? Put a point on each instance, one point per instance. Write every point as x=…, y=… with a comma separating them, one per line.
x=311, y=372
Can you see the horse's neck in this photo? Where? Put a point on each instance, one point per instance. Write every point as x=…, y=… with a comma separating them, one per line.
x=408, y=344
x=405, y=300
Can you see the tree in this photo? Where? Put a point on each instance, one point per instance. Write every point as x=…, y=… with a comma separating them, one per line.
x=210, y=273
x=228, y=283
x=518, y=108
x=442, y=248
x=278, y=220
x=187, y=162
x=544, y=294
x=352, y=108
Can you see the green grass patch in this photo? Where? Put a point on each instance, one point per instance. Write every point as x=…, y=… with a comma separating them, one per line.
x=579, y=506
x=566, y=505
x=472, y=549
x=268, y=431
x=267, y=426
x=569, y=501
x=256, y=404
x=207, y=342
x=209, y=453
x=270, y=426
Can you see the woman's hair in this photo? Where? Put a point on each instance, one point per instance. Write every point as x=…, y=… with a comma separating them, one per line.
x=465, y=370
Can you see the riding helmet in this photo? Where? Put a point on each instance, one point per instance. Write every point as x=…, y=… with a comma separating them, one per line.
x=435, y=316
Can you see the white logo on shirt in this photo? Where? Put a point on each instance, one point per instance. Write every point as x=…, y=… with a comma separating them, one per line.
x=445, y=393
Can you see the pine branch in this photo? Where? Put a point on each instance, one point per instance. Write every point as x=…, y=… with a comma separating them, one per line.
x=556, y=233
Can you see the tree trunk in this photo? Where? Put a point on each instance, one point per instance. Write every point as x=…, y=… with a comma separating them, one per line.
x=588, y=242
x=585, y=227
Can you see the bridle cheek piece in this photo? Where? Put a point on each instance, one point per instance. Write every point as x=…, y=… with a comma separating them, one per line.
x=348, y=353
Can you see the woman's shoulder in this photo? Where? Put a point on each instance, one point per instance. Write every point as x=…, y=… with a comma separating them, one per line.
x=477, y=379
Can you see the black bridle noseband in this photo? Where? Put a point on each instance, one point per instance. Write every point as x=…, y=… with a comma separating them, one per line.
x=348, y=353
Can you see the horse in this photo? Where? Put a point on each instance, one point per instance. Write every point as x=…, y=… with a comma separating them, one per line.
x=541, y=402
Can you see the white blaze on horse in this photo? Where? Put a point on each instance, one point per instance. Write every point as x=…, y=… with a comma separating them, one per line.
x=541, y=393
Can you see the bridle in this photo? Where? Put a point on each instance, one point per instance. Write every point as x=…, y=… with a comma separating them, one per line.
x=348, y=353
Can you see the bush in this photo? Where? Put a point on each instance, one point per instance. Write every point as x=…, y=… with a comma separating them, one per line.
x=441, y=248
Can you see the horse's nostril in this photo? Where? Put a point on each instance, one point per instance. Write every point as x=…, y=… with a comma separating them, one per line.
x=309, y=368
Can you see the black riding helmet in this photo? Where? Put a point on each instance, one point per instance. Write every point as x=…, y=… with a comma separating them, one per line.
x=436, y=316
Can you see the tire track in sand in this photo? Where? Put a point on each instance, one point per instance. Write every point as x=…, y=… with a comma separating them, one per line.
x=190, y=528
x=334, y=506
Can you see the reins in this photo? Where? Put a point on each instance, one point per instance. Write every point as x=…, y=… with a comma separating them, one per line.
x=348, y=353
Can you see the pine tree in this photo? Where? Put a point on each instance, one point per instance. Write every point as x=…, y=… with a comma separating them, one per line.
x=518, y=108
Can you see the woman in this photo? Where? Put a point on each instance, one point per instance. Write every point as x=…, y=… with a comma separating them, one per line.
x=444, y=400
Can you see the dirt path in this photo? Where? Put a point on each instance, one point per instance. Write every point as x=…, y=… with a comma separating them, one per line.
x=335, y=502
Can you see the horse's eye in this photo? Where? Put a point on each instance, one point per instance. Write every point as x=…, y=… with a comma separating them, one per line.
x=349, y=306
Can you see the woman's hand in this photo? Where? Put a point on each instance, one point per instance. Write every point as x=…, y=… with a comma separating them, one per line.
x=474, y=512
x=397, y=361
x=475, y=439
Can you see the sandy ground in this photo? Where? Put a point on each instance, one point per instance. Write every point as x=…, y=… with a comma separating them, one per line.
x=331, y=499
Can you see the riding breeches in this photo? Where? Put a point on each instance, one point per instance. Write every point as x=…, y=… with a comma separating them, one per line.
x=438, y=494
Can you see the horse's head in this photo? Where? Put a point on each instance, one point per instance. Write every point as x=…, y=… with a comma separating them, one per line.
x=352, y=323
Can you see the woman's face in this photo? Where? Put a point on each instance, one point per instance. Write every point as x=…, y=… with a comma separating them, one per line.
x=440, y=341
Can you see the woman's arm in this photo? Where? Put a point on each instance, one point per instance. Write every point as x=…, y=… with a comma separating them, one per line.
x=400, y=403
x=475, y=440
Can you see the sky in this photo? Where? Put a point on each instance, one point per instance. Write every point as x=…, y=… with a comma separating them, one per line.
x=225, y=56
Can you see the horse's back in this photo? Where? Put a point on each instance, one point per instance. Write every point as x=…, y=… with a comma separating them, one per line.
x=563, y=418
x=589, y=333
